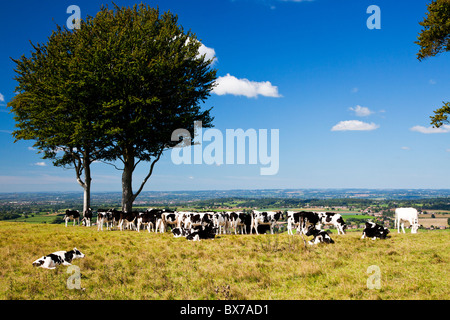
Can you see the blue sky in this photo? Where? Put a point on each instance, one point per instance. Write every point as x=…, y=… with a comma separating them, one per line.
x=311, y=69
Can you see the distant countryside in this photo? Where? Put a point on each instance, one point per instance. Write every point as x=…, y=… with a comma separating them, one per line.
x=355, y=205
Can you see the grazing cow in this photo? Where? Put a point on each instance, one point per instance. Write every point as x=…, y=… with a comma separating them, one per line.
x=52, y=260
x=196, y=219
x=128, y=218
x=220, y=221
x=293, y=221
x=72, y=214
x=114, y=215
x=406, y=214
x=104, y=216
x=304, y=219
x=320, y=236
x=168, y=218
x=265, y=218
x=149, y=218
x=373, y=231
x=334, y=219
x=87, y=216
x=239, y=219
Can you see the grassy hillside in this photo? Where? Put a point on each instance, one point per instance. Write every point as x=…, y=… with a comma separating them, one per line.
x=132, y=265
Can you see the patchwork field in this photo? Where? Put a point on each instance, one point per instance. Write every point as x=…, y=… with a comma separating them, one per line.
x=132, y=265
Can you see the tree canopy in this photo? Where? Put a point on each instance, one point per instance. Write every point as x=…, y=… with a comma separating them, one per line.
x=117, y=87
x=433, y=39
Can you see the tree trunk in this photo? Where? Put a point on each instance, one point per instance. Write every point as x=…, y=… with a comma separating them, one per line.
x=87, y=186
x=127, y=187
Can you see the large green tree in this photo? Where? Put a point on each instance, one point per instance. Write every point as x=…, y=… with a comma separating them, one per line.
x=158, y=82
x=57, y=101
x=433, y=39
x=139, y=76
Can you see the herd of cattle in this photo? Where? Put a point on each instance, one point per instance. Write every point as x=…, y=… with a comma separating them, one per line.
x=206, y=225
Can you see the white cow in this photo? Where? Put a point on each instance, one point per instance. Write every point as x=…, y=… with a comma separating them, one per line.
x=406, y=214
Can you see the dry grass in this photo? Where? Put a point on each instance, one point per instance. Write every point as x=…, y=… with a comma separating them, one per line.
x=131, y=265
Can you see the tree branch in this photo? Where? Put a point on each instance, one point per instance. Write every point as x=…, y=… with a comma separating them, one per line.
x=149, y=174
x=111, y=164
x=78, y=168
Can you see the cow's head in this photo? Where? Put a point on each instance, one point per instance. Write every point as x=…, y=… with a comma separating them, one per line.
x=77, y=254
x=414, y=227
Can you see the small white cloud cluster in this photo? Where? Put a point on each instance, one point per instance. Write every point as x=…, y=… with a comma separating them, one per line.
x=239, y=87
x=427, y=130
x=356, y=125
x=244, y=87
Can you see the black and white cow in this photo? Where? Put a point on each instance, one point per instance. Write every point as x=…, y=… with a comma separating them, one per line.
x=196, y=219
x=180, y=232
x=168, y=218
x=265, y=218
x=239, y=220
x=87, y=216
x=128, y=219
x=72, y=215
x=221, y=222
x=374, y=231
x=202, y=233
x=293, y=221
x=320, y=236
x=302, y=221
x=149, y=218
x=52, y=260
x=331, y=218
x=104, y=216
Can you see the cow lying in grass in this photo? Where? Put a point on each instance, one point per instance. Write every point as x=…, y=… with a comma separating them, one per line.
x=374, y=231
x=320, y=236
x=52, y=260
x=195, y=233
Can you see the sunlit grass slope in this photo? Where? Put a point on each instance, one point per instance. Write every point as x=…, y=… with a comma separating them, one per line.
x=132, y=265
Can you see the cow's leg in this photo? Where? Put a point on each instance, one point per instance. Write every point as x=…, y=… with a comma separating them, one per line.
x=403, y=227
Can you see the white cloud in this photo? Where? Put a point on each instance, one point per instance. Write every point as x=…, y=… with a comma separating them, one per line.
x=40, y=164
x=427, y=130
x=406, y=148
x=355, y=90
x=432, y=81
x=210, y=53
x=361, y=111
x=354, y=125
x=2, y=98
x=244, y=87
x=31, y=148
